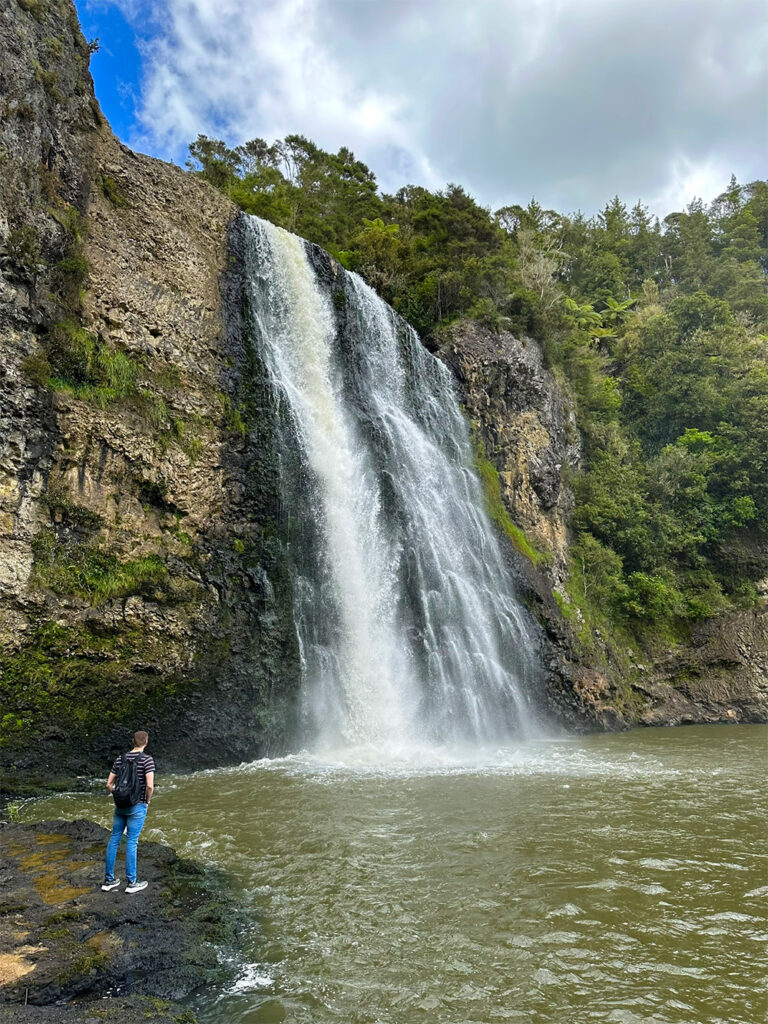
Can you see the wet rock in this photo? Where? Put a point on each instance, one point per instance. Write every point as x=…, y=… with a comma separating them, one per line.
x=109, y=1010
x=62, y=940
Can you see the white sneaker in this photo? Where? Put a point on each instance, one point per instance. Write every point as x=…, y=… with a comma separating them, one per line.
x=110, y=885
x=136, y=886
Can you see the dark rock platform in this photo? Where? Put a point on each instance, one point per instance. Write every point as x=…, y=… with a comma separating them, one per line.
x=69, y=951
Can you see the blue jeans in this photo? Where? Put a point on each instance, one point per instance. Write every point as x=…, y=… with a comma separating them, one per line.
x=130, y=820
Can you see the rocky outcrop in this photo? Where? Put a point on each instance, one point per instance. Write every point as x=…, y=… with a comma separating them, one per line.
x=720, y=676
x=525, y=426
x=525, y=429
x=141, y=582
x=63, y=941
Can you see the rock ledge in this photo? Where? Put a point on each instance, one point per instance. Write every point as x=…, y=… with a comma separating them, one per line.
x=71, y=952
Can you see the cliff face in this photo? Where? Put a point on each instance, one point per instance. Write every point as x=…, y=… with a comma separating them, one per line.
x=139, y=581
x=525, y=430
x=524, y=425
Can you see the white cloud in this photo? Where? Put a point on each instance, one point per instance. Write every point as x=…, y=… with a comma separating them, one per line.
x=687, y=180
x=225, y=68
x=570, y=100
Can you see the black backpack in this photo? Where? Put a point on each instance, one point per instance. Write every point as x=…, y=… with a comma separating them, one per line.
x=127, y=789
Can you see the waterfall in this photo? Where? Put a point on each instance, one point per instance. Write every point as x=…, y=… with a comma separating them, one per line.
x=407, y=621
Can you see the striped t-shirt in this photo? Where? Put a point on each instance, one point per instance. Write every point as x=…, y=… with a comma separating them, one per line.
x=144, y=764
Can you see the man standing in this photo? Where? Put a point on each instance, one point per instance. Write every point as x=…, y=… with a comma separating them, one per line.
x=133, y=773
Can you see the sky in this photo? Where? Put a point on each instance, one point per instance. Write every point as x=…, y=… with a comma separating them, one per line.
x=570, y=101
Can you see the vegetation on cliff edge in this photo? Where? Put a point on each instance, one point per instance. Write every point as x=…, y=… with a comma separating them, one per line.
x=658, y=329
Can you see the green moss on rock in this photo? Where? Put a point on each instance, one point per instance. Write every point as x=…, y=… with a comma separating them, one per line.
x=94, y=575
x=68, y=677
x=498, y=513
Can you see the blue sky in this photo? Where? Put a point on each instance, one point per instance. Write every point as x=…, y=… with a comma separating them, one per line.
x=572, y=101
x=117, y=68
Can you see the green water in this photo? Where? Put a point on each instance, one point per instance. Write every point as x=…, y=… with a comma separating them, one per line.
x=613, y=878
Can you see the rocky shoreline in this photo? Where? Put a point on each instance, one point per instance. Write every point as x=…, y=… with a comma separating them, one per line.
x=69, y=952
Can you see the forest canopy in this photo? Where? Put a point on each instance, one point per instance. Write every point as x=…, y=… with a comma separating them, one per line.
x=658, y=329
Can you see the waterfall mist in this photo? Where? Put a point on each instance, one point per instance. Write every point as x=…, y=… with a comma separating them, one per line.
x=408, y=624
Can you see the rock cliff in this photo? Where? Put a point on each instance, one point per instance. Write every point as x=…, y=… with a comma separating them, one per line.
x=524, y=424
x=525, y=430
x=140, y=580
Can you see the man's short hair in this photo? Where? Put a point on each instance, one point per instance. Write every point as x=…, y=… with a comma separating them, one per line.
x=140, y=738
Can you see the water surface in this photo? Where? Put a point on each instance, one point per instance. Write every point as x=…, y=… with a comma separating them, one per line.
x=617, y=878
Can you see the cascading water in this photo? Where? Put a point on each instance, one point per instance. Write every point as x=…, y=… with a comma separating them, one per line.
x=408, y=625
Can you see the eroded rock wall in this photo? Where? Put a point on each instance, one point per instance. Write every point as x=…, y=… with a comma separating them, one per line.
x=525, y=426
x=141, y=582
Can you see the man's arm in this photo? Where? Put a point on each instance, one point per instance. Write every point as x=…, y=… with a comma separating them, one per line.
x=150, y=783
x=111, y=781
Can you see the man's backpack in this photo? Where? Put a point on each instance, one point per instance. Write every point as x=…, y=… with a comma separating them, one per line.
x=127, y=789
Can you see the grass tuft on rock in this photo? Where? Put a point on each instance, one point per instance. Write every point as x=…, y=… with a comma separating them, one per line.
x=112, y=191
x=498, y=513
x=94, y=575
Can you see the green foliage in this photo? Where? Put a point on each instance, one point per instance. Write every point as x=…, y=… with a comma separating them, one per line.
x=581, y=317
x=152, y=408
x=37, y=8
x=96, y=576
x=567, y=610
x=293, y=183
x=82, y=965
x=186, y=433
x=53, y=47
x=76, y=362
x=598, y=580
x=376, y=254
x=85, y=366
x=49, y=80
x=651, y=597
x=233, y=416
x=671, y=393
x=71, y=272
x=658, y=329
x=112, y=191
x=73, y=222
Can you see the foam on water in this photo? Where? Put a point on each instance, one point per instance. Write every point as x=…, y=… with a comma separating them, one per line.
x=566, y=757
